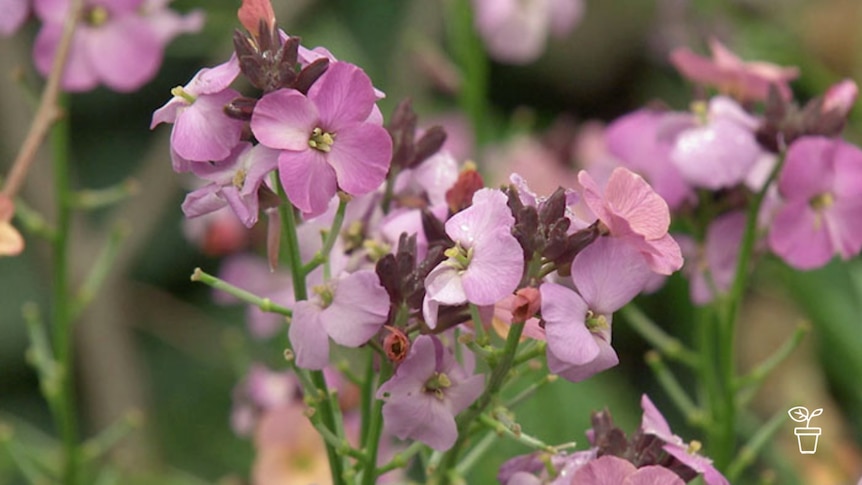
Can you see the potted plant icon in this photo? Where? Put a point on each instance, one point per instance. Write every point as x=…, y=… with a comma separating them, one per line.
x=806, y=436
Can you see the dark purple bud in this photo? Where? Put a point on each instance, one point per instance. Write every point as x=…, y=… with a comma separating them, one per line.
x=310, y=74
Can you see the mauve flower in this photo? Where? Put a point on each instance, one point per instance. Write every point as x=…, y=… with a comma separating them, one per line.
x=746, y=81
x=234, y=181
x=717, y=256
x=531, y=469
x=486, y=263
x=426, y=393
x=608, y=274
x=638, y=143
x=325, y=139
x=14, y=14
x=350, y=310
x=515, y=31
x=611, y=470
x=631, y=210
x=653, y=423
x=11, y=242
x=202, y=131
x=119, y=43
x=821, y=188
x=718, y=150
x=253, y=274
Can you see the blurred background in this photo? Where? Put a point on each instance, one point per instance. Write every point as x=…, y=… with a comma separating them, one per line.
x=155, y=344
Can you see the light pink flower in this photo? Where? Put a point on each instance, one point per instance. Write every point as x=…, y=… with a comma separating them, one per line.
x=821, y=188
x=350, y=310
x=631, y=210
x=611, y=470
x=717, y=256
x=326, y=140
x=14, y=14
x=746, y=81
x=485, y=265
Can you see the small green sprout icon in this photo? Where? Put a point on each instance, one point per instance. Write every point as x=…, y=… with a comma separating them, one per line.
x=800, y=414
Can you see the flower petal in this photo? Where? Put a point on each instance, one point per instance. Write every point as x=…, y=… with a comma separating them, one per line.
x=359, y=309
x=308, y=180
x=609, y=273
x=564, y=312
x=799, y=236
x=202, y=132
x=495, y=268
x=360, y=156
x=125, y=52
x=489, y=211
x=284, y=119
x=343, y=95
x=629, y=196
x=308, y=337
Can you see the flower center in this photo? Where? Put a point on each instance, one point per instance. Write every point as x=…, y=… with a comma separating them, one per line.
x=239, y=178
x=182, y=93
x=325, y=294
x=459, y=257
x=96, y=16
x=693, y=447
x=594, y=322
x=822, y=201
x=437, y=384
x=321, y=140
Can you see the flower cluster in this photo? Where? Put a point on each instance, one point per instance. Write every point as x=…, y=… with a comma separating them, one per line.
x=652, y=455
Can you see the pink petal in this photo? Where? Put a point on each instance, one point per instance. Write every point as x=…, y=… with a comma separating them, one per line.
x=358, y=311
x=628, y=195
x=125, y=52
x=424, y=418
x=808, y=170
x=14, y=14
x=488, y=212
x=168, y=113
x=51, y=11
x=465, y=392
x=202, y=132
x=662, y=255
x=284, y=119
x=343, y=95
x=848, y=171
x=717, y=155
x=653, y=421
x=653, y=475
x=308, y=337
x=203, y=201
x=307, y=179
x=800, y=237
x=495, y=269
x=609, y=273
x=606, y=359
x=565, y=330
x=605, y=470
x=444, y=285
x=211, y=80
x=360, y=156
x=79, y=74
x=842, y=223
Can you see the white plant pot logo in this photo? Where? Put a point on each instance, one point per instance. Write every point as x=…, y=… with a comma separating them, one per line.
x=806, y=436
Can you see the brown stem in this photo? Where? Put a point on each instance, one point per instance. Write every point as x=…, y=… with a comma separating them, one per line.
x=48, y=111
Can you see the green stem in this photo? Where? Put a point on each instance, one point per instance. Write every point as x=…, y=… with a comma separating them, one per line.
x=674, y=389
x=502, y=429
x=265, y=304
x=530, y=390
x=469, y=53
x=323, y=255
x=476, y=452
x=99, y=270
x=61, y=308
x=748, y=453
x=375, y=428
x=652, y=333
x=495, y=382
x=747, y=385
x=325, y=405
x=401, y=459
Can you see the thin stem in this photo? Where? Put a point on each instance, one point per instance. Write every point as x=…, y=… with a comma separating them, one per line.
x=652, y=333
x=50, y=108
x=401, y=459
x=99, y=271
x=478, y=326
x=749, y=452
x=530, y=390
x=673, y=388
x=515, y=434
x=265, y=304
x=323, y=255
x=470, y=55
x=375, y=428
x=495, y=382
x=747, y=385
x=61, y=307
x=476, y=452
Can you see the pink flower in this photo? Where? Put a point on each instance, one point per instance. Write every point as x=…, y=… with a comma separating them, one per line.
x=720, y=151
x=747, y=81
x=119, y=43
x=350, y=310
x=515, y=31
x=325, y=139
x=253, y=274
x=14, y=14
x=821, y=188
x=717, y=256
x=653, y=423
x=486, y=263
x=637, y=141
x=202, y=132
x=234, y=181
x=632, y=211
x=840, y=97
x=427, y=391
x=11, y=242
x=608, y=274
x=289, y=451
x=610, y=470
